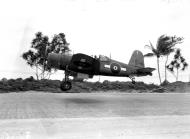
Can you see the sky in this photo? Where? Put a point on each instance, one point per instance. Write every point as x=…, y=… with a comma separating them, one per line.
x=93, y=27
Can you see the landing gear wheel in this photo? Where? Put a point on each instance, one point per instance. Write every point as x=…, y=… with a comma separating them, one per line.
x=65, y=85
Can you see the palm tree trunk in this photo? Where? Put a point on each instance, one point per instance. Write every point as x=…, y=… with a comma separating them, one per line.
x=177, y=75
x=158, y=65
x=165, y=68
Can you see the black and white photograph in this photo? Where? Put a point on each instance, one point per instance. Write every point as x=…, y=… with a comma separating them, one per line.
x=94, y=69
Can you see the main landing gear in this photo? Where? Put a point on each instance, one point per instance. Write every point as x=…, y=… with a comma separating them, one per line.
x=132, y=79
x=66, y=84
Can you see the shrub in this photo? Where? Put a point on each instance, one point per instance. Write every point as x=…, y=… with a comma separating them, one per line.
x=4, y=80
x=30, y=79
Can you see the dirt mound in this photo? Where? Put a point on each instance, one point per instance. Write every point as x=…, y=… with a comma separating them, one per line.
x=178, y=87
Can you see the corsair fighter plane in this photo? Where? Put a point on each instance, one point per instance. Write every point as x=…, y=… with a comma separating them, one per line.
x=86, y=66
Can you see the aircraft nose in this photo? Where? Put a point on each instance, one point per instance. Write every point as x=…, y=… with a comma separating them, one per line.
x=59, y=61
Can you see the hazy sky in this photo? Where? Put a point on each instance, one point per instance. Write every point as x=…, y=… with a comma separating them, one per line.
x=92, y=27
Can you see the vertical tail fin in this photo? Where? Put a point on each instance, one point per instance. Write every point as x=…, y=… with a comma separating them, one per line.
x=137, y=59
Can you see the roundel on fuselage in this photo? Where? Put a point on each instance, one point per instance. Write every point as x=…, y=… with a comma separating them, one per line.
x=115, y=68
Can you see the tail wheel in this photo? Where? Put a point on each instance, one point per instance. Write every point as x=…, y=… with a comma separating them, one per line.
x=65, y=85
x=132, y=79
x=133, y=82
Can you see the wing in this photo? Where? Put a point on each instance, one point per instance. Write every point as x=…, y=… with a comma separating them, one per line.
x=82, y=63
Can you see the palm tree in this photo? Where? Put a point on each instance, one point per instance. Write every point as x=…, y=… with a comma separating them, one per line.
x=164, y=47
x=168, y=46
x=177, y=63
x=155, y=52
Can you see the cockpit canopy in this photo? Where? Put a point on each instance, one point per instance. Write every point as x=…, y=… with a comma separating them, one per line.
x=103, y=58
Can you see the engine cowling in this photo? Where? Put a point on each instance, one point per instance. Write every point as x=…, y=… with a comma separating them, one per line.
x=59, y=61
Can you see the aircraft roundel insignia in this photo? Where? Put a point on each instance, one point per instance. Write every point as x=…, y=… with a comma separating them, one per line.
x=115, y=68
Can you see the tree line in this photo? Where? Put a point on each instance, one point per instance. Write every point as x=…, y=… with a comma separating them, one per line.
x=41, y=46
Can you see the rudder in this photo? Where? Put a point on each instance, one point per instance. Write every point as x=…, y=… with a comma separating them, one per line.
x=137, y=59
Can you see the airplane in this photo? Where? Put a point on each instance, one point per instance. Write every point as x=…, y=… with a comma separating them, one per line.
x=85, y=66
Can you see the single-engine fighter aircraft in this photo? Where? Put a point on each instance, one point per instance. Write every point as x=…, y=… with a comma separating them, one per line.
x=86, y=66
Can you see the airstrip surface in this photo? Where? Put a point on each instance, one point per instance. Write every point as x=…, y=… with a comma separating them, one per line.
x=33, y=115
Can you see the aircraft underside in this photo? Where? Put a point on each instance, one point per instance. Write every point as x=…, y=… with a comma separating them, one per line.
x=66, y=84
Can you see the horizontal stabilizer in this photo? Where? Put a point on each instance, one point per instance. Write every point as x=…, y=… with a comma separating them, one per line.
x=147, y=71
